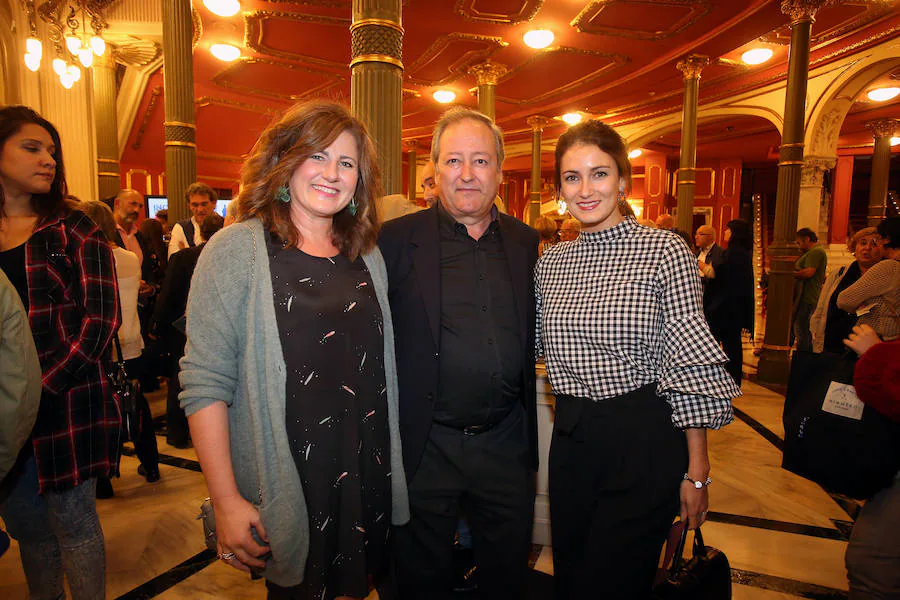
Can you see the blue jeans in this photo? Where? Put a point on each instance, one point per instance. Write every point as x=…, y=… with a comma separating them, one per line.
x=58, y=533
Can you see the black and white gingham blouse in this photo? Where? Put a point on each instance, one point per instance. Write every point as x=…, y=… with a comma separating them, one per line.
x=621, y=308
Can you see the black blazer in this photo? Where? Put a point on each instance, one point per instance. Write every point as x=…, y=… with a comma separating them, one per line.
x=714, y=293
x=411, y=249
x=172, y=300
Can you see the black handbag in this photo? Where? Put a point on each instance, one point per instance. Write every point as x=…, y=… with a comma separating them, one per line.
x=126, y=391
x=705, y=576
x=850, y=456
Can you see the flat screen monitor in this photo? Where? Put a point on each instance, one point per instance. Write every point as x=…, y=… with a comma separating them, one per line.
x=157, y=203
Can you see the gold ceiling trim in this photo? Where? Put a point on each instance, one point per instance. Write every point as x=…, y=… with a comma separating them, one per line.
x=409, y=94
x=205, y=101
x=154, y=96
x=460, y=67
x=616, y=61
x=584, y=21
x=253, y=35
x=219, y=157
x=875, y=11
x=197, y=27
x=319, y=3
x=221, y=79
x=466, y=9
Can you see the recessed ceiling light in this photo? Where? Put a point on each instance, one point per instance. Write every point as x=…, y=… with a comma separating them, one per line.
x=635, y=153
x=538, y=38
x=895, y=141
x=572, y=118
x=225, y=52
x=883, y=94
x=757, y=56
x=223, y=8
x=444, y=96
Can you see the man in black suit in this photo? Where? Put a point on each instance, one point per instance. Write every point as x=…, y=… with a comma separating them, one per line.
x=710, y=259
x=168, y=325
x=462, y=299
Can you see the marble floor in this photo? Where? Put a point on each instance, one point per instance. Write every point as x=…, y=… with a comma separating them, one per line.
x=783, y=535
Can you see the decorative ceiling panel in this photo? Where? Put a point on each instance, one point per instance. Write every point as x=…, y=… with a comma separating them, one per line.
x=540, y=77
x=838, y=20
x=294, y=36
x=640, y=19
x=504, y=12
x=273, y=79
x=449, y=57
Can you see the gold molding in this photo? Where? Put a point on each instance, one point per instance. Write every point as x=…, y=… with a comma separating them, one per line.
x=734, y=178
x=108, y=174
x=154, y=96
x=253, y=35
x=616, y=61
x=159, y=183
x=582, y=22
x=181, y=144
x=524, y=14
x=130, y=172
x=220, y=79
x=205, y=101
x=458, y=68
x=179, y=124
x=108, y=161
x=219, y=157
x=196, y=27
x=712, y=181
x=381, y=58
x=659, y=180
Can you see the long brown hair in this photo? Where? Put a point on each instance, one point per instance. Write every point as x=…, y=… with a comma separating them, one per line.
x=305, y=129
x=12, y=119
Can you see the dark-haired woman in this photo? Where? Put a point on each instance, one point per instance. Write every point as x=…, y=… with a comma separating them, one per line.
x=289, y=375
x=63, y=269
x=638, y=378
x=736, y=278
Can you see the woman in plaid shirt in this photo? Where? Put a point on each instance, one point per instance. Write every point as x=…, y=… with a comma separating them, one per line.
x=63, y=269
x=638, y=378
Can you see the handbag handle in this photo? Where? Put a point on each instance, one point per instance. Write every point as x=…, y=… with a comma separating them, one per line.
x=120, y=361
x=698, y=550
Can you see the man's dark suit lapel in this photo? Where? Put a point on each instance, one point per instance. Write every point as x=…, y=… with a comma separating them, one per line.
x=425, y=252
x=517, y=257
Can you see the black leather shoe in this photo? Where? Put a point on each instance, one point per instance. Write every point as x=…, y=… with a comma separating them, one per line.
x=465, y=572
x=152, y=475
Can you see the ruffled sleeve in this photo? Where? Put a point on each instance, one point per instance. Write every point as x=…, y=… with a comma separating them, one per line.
x=692, y=376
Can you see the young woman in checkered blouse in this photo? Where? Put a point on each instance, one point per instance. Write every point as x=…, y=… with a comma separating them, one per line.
x=638, y=378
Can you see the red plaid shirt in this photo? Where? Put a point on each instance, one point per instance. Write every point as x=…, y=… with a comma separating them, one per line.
x=74, y=313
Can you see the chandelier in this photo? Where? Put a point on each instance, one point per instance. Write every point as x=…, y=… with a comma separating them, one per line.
x=74, y=27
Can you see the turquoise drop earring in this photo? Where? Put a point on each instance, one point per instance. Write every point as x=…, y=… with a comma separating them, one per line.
x=282, y=194
x=353, y=207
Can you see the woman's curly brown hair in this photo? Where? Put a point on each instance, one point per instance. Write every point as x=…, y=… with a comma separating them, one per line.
x=305, y=129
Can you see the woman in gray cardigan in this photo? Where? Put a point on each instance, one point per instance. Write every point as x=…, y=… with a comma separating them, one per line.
x=289, y=375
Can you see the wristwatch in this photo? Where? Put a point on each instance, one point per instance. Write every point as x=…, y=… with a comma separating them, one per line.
x=697, y=483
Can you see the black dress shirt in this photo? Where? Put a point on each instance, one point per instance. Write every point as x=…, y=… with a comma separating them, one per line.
x=481, y=354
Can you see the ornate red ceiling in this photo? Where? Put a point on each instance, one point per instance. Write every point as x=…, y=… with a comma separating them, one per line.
x=611, y=58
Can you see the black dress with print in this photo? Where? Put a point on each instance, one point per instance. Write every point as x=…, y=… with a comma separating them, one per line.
x=330, y=325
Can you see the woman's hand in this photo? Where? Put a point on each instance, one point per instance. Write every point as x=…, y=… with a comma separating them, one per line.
x=694, y=504
x=234, y=518
x=861, y=339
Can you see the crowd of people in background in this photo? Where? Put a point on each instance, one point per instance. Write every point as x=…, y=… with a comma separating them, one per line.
x=361, y=393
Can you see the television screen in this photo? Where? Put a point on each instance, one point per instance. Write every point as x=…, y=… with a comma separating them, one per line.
x=156, y=203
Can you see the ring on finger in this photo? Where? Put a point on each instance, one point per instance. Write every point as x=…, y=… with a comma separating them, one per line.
x=226, y=556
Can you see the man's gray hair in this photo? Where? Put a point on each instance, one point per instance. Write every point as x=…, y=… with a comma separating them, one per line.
x=457, y=114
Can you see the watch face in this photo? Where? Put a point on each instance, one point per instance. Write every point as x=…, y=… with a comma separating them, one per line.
x=698, y=484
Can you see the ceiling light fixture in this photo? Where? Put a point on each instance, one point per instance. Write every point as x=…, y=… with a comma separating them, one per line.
x=572, y=118
x=635, y=153
x=223, y=8
x=538, y=38
x=756, y=56
x=895, y=141
x=444, y=96
x=883, y=94
x=225, y=52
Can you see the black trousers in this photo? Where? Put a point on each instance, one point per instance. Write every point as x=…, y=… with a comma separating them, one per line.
x=488, y=476
x=728, y=333
x=177, y=431
x=615, y=470
x=145, y=445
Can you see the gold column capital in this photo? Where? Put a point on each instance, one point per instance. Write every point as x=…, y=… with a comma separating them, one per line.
x=410, y=145
x=802, y=10
x=488, y=72
x=691, y=65
x=813, y=170
x=538, y=122
x=882, y=128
